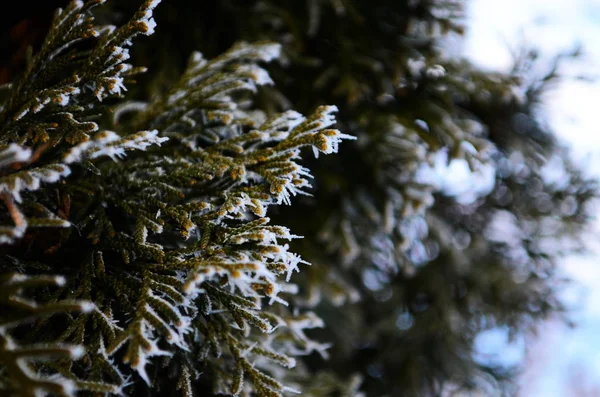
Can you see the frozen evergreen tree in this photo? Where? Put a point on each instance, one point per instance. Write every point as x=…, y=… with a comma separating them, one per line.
x=150, y=229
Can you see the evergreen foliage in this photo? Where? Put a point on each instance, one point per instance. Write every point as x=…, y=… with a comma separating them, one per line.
x=139, y=211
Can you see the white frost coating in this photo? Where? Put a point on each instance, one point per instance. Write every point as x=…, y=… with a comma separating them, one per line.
x=248, y=350
x=279, y=127
x=62, y=100
x=107, y=320
x=21, y=115
x=183, y=322
x=115, y=85
x=265, y=52
x=332, y=143
x=289, y=189
x=147, y=17
x=259, y=75
x=422, y=124
x=108, y=143
x=77, y=4
x=254, y=272
x=328, y=119
x=197, y=62
x=174, y=337
x=197, y=57
x=60, y=280
x=76, y=352
x=125, y=67
x=150, y=26
x=297, y=326
x=270, y=51
x=105, y=137
x=87, y=306
x=68, y=386
x=176, y=96
x=100, y=93
x=76, y=152
x=13, y=154
x=292, y=124
x=144, y=235
x=436, y=72
x=40, y=105
x=133, y=106
x=291, y=390
x=121, y=53
x=144, y=355
x=330, y=139
x=281, y=253
x=415, y=66
x=33, y=178
x=144, y=139
x=152, y=4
